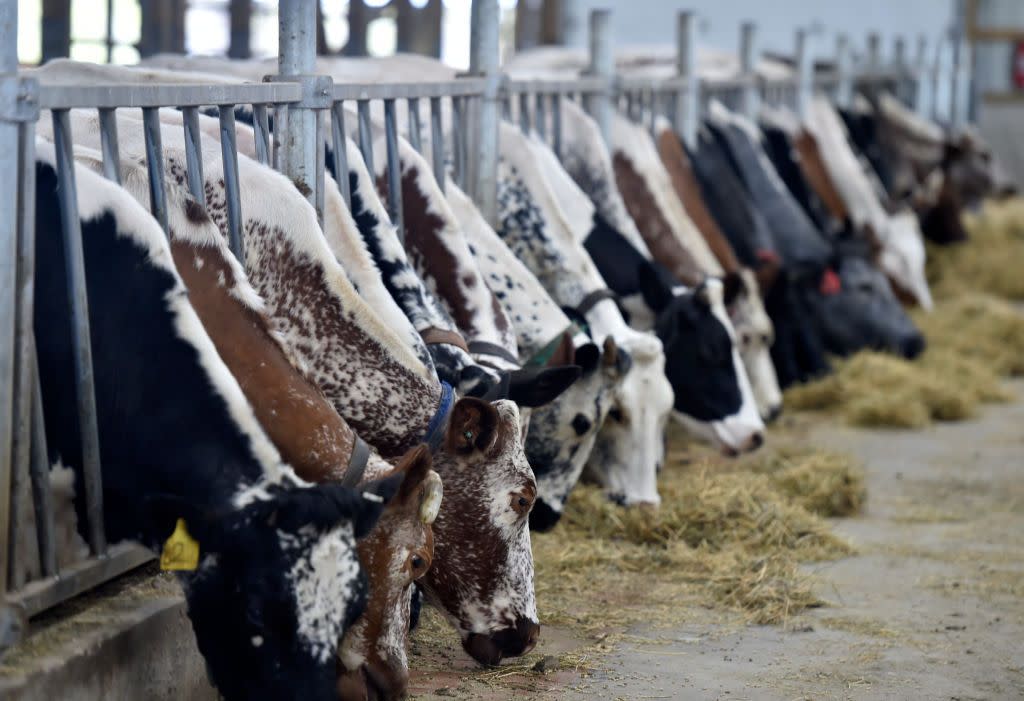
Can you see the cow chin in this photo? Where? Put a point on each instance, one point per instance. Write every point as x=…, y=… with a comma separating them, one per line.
x=490, y=649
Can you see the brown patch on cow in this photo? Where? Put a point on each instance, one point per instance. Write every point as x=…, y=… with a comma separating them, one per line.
x=302, y=187
x=564, y=354
x=942, y=223
x=433, y=335
x=657, y=233
x=474, y=425
x=308, y=432
x=684, y=182
x=814, y=171
x=423, y=235
x=195, y=212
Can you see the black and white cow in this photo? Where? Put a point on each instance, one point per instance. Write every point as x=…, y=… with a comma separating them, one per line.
x=278, y=580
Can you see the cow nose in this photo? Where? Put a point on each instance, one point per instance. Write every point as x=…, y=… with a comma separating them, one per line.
x=912, y=346
x=385, y=682
x=509, y=642
x=773, y=413
x=754, y=442
x=543, y=518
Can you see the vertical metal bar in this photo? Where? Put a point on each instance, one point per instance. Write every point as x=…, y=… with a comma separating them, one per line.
x=920, y=73
x=340, y=146
x=602, y=64
x=459, y=142
x=936, y=71
x=540, y=116
x=437, y=142
x=366, y=136
x=630, y=107
x=652, y=108
x=506, y=107
x=748, y=93
x=686, y=66
x=155, y=165
x=320, y=178
x=413, y=107
x=556, y=123
x=39, y=465
x=108, y=144
x=24, y=353
x=524, y=113
x=261, y=127
x=280, y=130
x=9, y=133
x=194, y=154
x=484, y=62
x=109, y=36
x=229, y=157
x=296, y=57
x=394, y=168
x=844, y=84
x=74, y=261
x=899, y=66
x=956, y=92
x=804, y=67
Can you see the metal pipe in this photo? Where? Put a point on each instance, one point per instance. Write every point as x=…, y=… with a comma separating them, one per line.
x=748, y=93
x=321, y=157
x=194, y=155
x=261, y=127
x=874, y=51
x=540, y=116
x=844, y=85
x=74, y=262
x=459, y=142
x=109, y=36
x=366, y=136
x=686, y=66
x=279, y=133
x=155, y=165
x=394, y=168
x=413, y=108
x=485, y=18
x=602, y=65
x=920, y=73
x=108, y=144
x=229, y=156
x=340, y=147
x=9, y=134
x=956, y=91
x=524, y=113
x=899, y=66
x=437, y=142
x=556, y=123
x=296, y=58
x=39, y=464
x=804, y=67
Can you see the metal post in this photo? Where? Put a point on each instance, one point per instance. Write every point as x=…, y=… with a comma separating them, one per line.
x=261, y=127
x=748, y=70
x=194, y=155
x=108, y=144
x=556, y=124
x=804, y=67
x=874, y=51
x=296, y=57
x=540, y=116
x=483, y=62
x=920, y=74
x=437, y=142
x=687, y=109
x=74, y=264
x=155, y=165
x=458, y=142
x=8, y=269
x=524, y=113
x=340, y=146
x=394, y=164
x=415, y=137
x=900, y=69
x=366, y=135
x=956, y=91
x=110, y=31
x=844, y=74
x=602, y=65
x=229, y=157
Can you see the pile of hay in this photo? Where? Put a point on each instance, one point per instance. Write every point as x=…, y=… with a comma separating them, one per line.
x=990, y=261
x=972, y=341
x=729, y=539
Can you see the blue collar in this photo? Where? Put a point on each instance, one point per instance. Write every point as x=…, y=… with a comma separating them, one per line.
x=435, y=429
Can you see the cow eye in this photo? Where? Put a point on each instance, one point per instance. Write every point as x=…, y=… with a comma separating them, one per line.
x=615, y=414
x=418, y=564
x=522, y=503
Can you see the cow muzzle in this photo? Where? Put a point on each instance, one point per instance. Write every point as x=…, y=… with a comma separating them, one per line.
x=509, y=642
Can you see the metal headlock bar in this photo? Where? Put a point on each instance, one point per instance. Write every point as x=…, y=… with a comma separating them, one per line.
x=301, y=102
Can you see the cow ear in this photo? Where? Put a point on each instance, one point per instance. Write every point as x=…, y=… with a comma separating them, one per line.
x=414, y=466
x=473, y=425
x=615, y=360
x=656, y=293
x=534, y=388
x=733, y=286
x=587, y=357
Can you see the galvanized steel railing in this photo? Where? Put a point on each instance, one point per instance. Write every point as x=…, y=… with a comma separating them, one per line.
x=300, y=102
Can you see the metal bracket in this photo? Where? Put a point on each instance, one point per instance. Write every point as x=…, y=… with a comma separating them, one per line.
x=19, y=98
x=317, y=90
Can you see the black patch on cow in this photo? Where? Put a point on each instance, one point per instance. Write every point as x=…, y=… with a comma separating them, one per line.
x=195, y=212
x=581, y=424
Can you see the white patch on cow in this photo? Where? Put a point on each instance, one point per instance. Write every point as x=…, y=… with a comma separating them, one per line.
x=756, y=334
x=324, y=578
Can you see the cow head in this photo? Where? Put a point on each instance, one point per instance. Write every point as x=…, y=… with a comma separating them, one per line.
x=713, y=398
x=902, y=257
x=396, y=553
x=755, y=335
x=864, y=313
x=482, y=576
x=277, y=585
x=630, y=446
x=562, y=434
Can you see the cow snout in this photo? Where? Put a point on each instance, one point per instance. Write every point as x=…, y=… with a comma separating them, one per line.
x=385, y=682
x=912, y=346
x=755, y=441
x=509, y=642
x=542, y=517
x=773, y=413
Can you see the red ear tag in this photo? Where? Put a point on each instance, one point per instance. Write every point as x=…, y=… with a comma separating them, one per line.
x=830, y=283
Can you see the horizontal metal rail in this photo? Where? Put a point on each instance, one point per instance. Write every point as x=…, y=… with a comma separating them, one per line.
x=460, y=87
x=58, y=97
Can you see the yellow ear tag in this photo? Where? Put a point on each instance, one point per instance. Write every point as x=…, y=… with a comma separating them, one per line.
x=181, y=551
